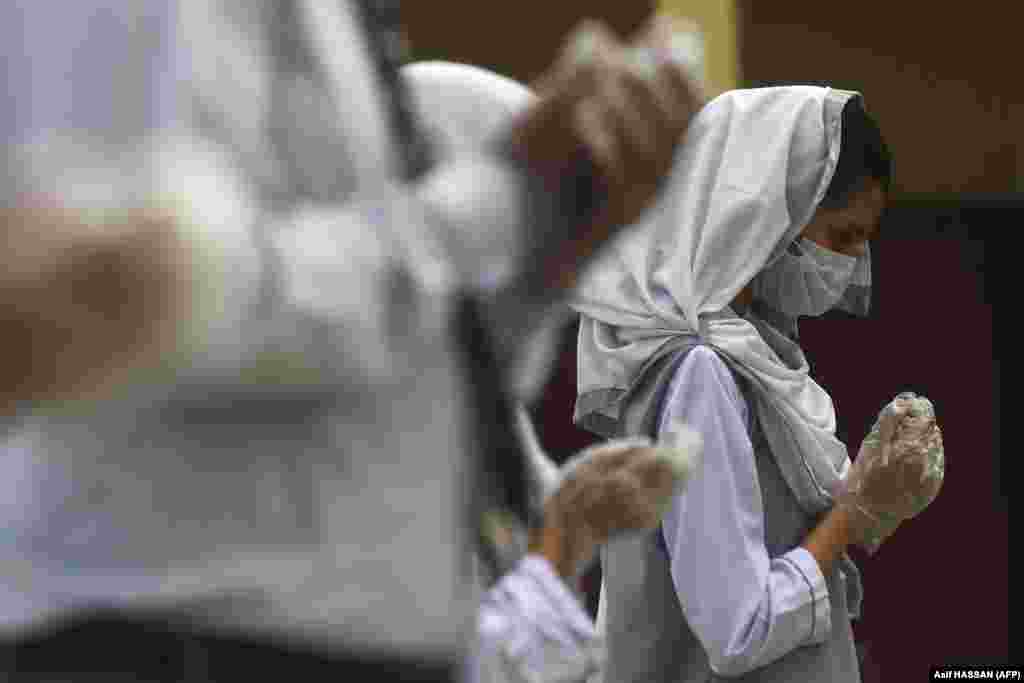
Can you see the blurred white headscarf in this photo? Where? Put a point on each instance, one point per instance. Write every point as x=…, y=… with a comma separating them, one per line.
x=462, y=108
x=462, y=105
x=754, y=169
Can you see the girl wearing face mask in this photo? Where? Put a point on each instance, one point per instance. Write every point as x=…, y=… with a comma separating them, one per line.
x=692, y=317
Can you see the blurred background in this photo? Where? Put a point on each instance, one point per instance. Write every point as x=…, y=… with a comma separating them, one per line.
x=943, y=82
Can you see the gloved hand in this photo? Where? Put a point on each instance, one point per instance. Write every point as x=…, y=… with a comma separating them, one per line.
x=623, y=107
x=898, y=471
x=618, y=487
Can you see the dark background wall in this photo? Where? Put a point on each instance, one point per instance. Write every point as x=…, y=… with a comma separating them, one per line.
x=942, y=78
x=942, y=81
x=518, y=39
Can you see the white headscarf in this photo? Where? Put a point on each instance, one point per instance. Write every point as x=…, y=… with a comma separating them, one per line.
x=462, y=106
x=753, y=171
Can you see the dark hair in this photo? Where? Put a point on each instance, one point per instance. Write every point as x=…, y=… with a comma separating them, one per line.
x=863, y=155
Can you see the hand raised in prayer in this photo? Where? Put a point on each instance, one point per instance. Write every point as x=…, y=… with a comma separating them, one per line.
x=899, y=470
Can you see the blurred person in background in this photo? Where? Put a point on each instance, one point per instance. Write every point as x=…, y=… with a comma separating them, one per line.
x=532, y=625
x=254, y=409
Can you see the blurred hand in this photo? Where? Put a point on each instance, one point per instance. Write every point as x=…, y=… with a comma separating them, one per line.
x=80, y=302
x=614, y=488
x=625, y=110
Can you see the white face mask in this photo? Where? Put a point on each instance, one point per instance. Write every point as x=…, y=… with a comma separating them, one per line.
x=808, y=284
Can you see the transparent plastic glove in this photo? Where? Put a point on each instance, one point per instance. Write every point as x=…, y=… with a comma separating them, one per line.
x=676, y=40
x=898, y=471
x=614, y=488
x=627, y=105
x=643, y=97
